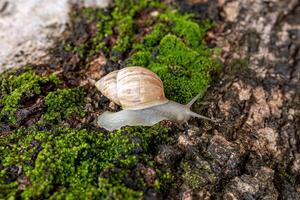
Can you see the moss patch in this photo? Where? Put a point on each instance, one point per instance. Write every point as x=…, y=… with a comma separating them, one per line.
x=62, y=103
x=15, y=87
x=68, y=163
x=197, y=174
x=119, y=23
x=176, y=52
x=150, y=34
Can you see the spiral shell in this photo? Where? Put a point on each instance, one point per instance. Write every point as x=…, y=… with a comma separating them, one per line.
x=133, y=88
x=108, y=86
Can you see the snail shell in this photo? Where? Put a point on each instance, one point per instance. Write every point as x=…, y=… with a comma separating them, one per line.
x=133, y=88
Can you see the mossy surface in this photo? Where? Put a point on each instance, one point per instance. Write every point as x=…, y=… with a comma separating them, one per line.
x=174, y=48
x=67, y=163
x=197, y=174
x=15, y=87
x=55, y=159
x=52, y=160
x=176, y=52
x=62, y=103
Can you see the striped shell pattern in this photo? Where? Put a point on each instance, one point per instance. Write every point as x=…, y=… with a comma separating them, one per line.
x=133, y=88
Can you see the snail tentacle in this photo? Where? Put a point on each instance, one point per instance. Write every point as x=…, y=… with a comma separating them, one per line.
x=193, y=114
x=200, y=94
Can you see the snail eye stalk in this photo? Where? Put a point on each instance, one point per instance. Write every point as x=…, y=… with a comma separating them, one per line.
x=200, y=94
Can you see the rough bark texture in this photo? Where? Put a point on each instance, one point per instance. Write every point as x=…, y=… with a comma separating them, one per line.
x=254, y=152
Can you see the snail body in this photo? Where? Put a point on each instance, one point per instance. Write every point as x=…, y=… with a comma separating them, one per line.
x=140, y=93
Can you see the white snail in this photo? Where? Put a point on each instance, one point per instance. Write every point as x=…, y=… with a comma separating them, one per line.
x=140, y=92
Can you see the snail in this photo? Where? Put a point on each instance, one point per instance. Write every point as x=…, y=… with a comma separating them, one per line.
x=140, y=92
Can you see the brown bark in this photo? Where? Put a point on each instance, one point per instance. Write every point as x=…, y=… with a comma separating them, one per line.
x=255, y=151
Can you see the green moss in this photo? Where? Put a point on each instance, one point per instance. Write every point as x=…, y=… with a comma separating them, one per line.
x=67, y=163
x=125, y=32
x=183, y=71
x=197, y=174
x=187, y=29
x=15, y=87
x=62, y=103
x=120, y=21
x=123, y=15
x=165, y=180
x=174, y=49
x=153, y=38
x=141, y=58
x=177, y=54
